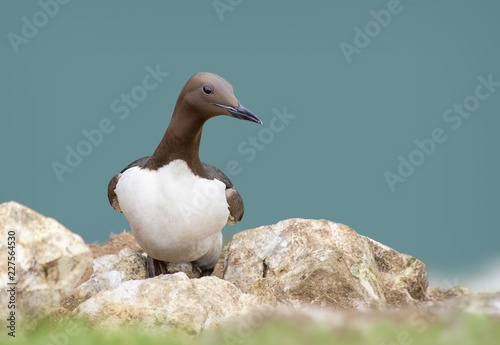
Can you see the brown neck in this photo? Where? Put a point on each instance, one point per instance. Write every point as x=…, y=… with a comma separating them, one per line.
x=181, y=141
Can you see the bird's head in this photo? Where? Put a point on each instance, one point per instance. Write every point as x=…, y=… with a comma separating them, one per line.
x=209, y=95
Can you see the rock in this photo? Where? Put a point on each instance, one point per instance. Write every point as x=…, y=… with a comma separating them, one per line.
x=113, y=246
x=437, y=295
x=49, y=259
x=479, y=303
x=219, y=267
x=403, y=277
x=325, y=264
x=301, y=268
x=460, y=299
x=108, y=272
x=168, y=303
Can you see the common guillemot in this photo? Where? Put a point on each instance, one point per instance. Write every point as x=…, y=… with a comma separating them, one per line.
x=175, y=204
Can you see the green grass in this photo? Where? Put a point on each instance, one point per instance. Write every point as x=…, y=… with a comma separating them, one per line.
x=466, y=329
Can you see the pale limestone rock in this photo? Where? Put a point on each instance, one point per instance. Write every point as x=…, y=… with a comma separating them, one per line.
x=484, y=303
x=49, y=259
x=459, y=299
x=170, y=302
x=322, y=263
x=109, y=271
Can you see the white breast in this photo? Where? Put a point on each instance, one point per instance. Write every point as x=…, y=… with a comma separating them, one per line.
x=175, y=215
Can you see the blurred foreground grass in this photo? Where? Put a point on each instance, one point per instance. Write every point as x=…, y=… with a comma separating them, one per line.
x=465, y=329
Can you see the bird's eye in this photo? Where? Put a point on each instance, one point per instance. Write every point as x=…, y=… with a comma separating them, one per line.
x=207, y=89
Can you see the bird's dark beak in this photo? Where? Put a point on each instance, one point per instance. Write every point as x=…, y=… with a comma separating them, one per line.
x=241, y=113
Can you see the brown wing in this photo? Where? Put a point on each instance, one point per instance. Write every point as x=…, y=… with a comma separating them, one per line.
x=113, y=199
x=234, y=200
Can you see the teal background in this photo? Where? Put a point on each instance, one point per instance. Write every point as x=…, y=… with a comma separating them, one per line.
x=352, y=121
